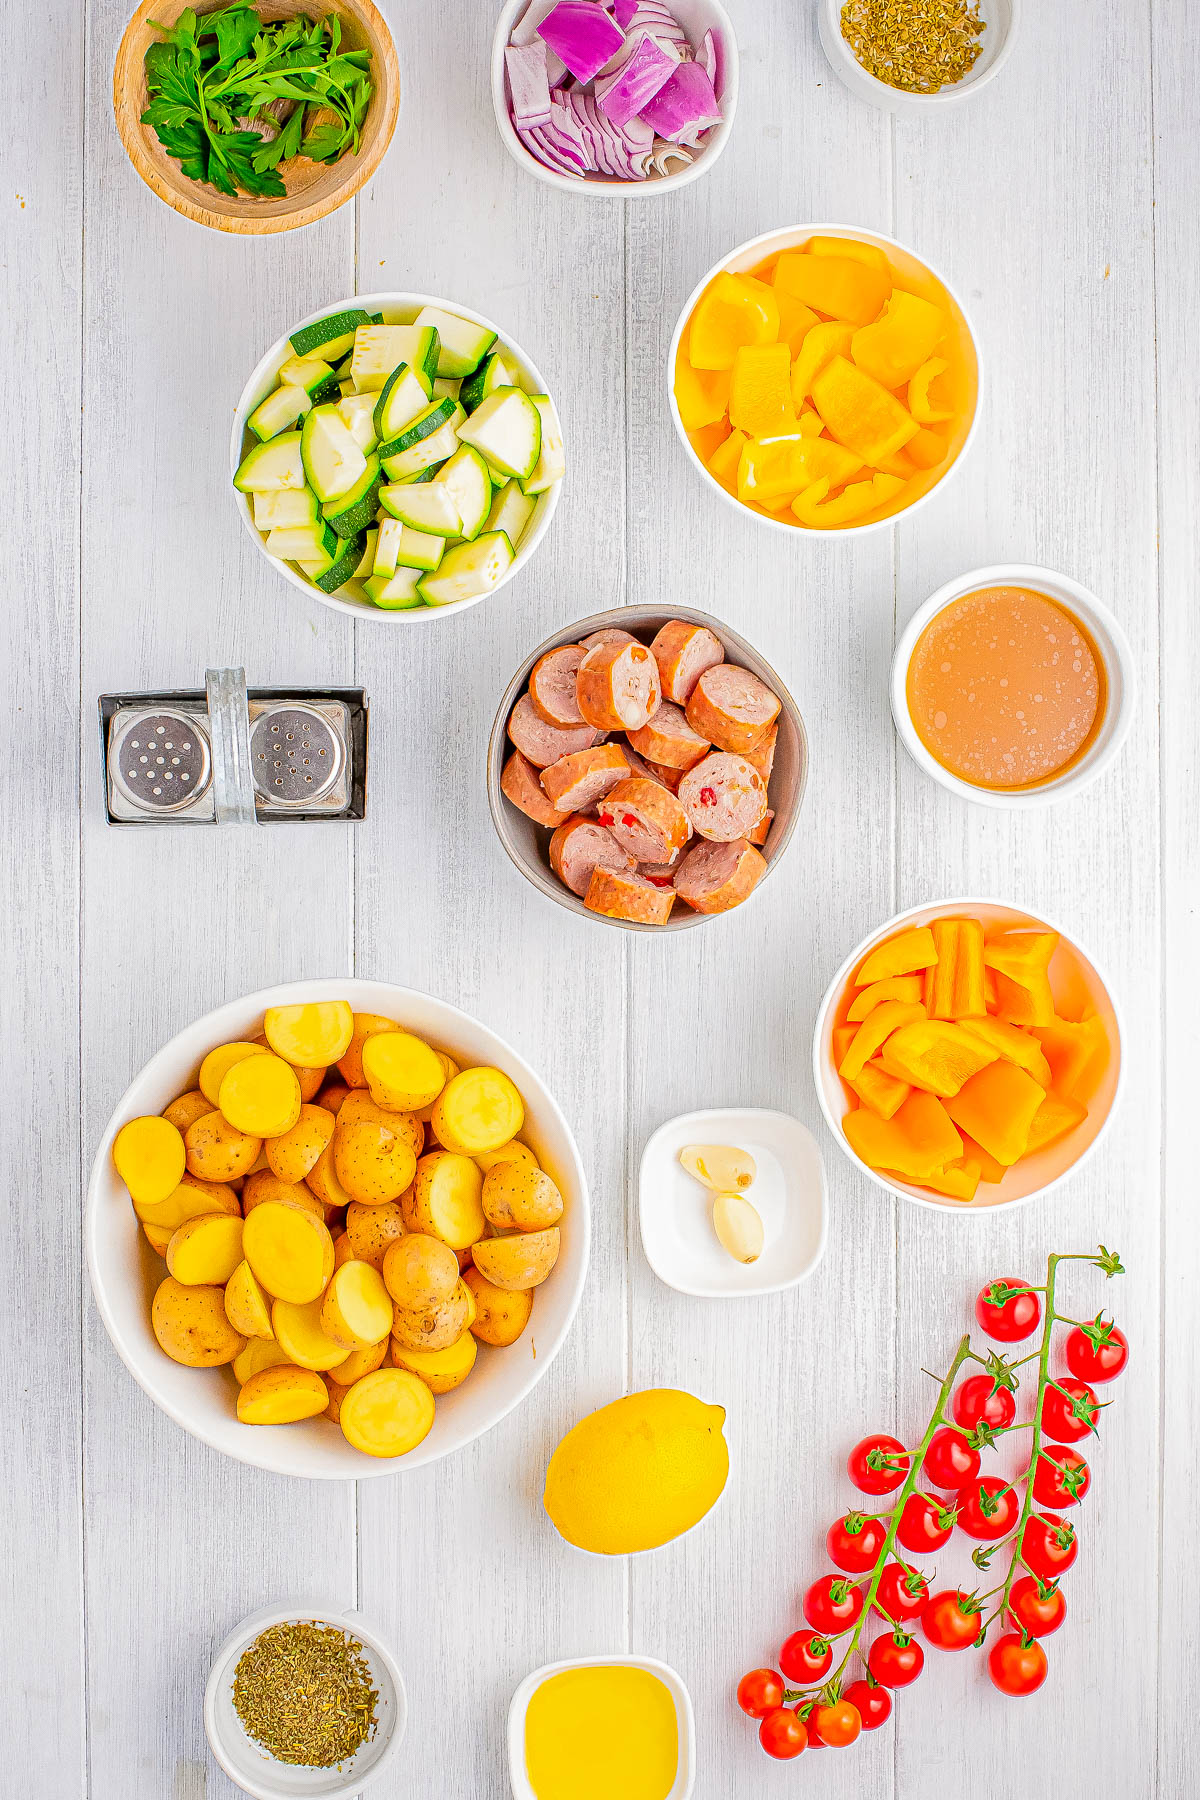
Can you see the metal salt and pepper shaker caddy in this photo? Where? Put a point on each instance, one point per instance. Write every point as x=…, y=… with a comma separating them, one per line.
x=232, y=755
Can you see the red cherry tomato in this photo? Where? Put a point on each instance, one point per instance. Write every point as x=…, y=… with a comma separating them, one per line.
x=1048, y=1545
x=1016, y=1667
x=805, y=1658
x=835, y=1725
x=872, y=1703
x=833, y=1604
x=1036, y=1607
x=1097, y=1352
x=854, y=1542
x=782, y=1735
x=1062, y=1477
x=988, y=1509
x=1007, y=1309
x=950, y=1461
x=924, y=1525
x=760, y=1692
x=978, y=1401
x=877, y=1464
x=901, y=1593
x=951, y=1620
x=896, y=1660
x=1069, y=1410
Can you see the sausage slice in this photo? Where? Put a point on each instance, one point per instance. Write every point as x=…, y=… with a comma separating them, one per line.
x=724, y=796
x=763, y=755
x=617, y=687
x=683, y=652
x=621, y=894
x=647, y=820
x=552, y=686
x=732, y=708
x=608, y=634
x=761, y=830
x=580, y=846
x=670, y=778
x=714, y=877
x=577, y=781
x=667, y=738
x=519, y=783
x=544, y=744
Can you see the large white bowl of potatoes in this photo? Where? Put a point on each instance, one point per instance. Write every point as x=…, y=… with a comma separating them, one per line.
x=327, y=1221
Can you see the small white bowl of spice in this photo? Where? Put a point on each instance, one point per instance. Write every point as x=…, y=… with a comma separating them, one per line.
x=917, y=56
x=304, y=1700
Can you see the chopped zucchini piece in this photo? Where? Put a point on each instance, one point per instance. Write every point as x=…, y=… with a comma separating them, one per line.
x=356, y=411
x=394, y=593
x=506, y=429
x=418, y=549
x=426, y=506
x=463, y=344
x=511, y=512
x=468, y=570
x=332, y=336
x=429, y=439
x=270, y=467
x=498, y=371
x=345, y=564
x=353, y=511
x=387, y=546
x=469, y=483
x=333, y=461
x=291, y=506
x=367, y=564
x=551, y=464
x=278, y=412
x=403, y=397
x=303, y=543
x=378, y=349
x=308, y=372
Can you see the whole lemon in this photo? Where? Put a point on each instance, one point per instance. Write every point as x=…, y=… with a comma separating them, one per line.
x=638, y=1472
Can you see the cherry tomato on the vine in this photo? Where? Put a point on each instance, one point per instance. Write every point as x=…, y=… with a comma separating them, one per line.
x=901, y=1593
x=1069, y=1410
x=1008, y=1309
x=988, y=1509
x=760, y=1692
x=1062, y=1477
x=951, y=1620
x=833, y=1604
x=836, y=1725
x=980, y=1401
x=1097, y=1352
x=782, y=1735
x=896, y=1660
x=877, y=1464
x=805, y=1657
x=1036, y=1607
x=950, y=1461
x=924, y=1525
x=854, y=1542
x=1049, y=1545
x=872, y=1703
x=1016, y=1667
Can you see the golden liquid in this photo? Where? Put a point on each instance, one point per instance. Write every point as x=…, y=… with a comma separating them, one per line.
x=607, y=1732
x=1006, y=689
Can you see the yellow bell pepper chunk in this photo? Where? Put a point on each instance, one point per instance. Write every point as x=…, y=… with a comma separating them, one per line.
x=733, y=310
x=859, y=412
x=810, y=423
x=900, y=955
x=702, y=395
x=874, y=1031
x=997, y=1107
x=871, y=254
x=1053, y=1119
x=853, y=503
x=882, y=1092
x=908, y=988
x=842, y=287
x=773, y=470
x=723, y=463
x=760, y=399
x=820, y=346
x=893, y=348
x=1077, y=1055
x=989, y=1168
x=917, y=1142
x=935, y=1055
x=1020, y=960
x=954, y=986
x=1014, y=1045
x=919, y=383
x=795, y=320
x=927, y=449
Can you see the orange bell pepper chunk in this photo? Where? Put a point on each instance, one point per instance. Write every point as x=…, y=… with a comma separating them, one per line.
x=702, y=395
x=795, y=320
x=927, y=449
x=843, y=1037
x=1053, y=1119
x=935, y=1055
x=733, y=310
x=997, y=1108
x=954, y=986
x=842, y=287
x=871, y=1034
x=892, y=987
x=860, y=412
x=919, y=383
x=871, y=254
x=1077, y=1055
x=815, y=510
x=1014, y=1045
x=893, y=348
x=990, y=997
x=760, y=396
x=819, y=347
x=723, y=463
x=882, y=1092
x=957, y=1180
x=989, y=1169
x=900, y=955
x=918, y=1141
x=1020, y=960
x=1021, y=1005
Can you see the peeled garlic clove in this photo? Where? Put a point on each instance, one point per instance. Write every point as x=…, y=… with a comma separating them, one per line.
x=719, y=1166
x=738, y=1227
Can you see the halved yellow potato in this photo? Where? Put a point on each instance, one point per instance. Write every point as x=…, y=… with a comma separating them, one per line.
x=322, y=1179
x=501, y=1314
x=358, y=1107
x=311, y=1036
x=188, y=1108
x=289, y=1250
x=445, y=1200
x=510, y=1152
x=247, y=1306
x=403, y=1072
x=420, y=1272
x=204, y=1251
x=478, y=1110
x=191, y=1198
x=190, y=1325
x=293, y=1154
x=260, y=1353
x=260, y=1095
x=218, y=1063
x=373, y=1165
x=218, y=1151
x=356, y=1309
x=435, y=1327
x=387, y=1413
x=449, y=1069
x=518, y=1262
x=440, y=1370
x=372, y=1229
x=359, y=1363
x=298, y=1331
x=517, y=1197
x=281, y=1396
x=264, y=1184
x=365, y=1025
x=150, y=1157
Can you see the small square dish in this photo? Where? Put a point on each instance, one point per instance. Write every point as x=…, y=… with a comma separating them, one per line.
x=788, y=1193
x=685, y=1769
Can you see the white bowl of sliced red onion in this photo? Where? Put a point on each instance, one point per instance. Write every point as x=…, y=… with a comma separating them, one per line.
x=614, y=97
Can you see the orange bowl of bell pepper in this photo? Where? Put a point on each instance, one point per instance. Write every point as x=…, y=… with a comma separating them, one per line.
x=967, y=1056
x=824, y=379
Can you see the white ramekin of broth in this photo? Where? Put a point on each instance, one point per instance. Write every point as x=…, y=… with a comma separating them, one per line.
x=923, y=279
x=1077, y=985
x=1109, y=642
x=999, y=16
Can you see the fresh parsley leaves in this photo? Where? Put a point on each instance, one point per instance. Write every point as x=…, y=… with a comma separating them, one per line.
x=217, y=76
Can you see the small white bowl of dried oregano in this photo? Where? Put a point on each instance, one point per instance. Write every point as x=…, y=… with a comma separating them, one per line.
x=916, y=56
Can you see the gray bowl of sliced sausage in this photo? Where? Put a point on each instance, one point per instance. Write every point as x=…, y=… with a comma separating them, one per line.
x=646, y=768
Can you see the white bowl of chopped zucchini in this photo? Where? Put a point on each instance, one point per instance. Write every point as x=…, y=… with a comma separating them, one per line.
x=395, y=457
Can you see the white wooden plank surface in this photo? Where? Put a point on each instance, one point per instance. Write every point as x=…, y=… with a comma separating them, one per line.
x=133, y=1547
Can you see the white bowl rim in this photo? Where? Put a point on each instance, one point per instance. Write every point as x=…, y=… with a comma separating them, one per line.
x=935, y=1203
x=671, y=1679
x=862, y=82
x=347, y=1619
x=267, y=365
x=1108, y=744
x=610, y=188
x=287, y=993
x=704, y=1113
x=784, y=237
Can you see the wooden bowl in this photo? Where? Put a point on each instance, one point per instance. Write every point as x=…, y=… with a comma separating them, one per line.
x=313, y=189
